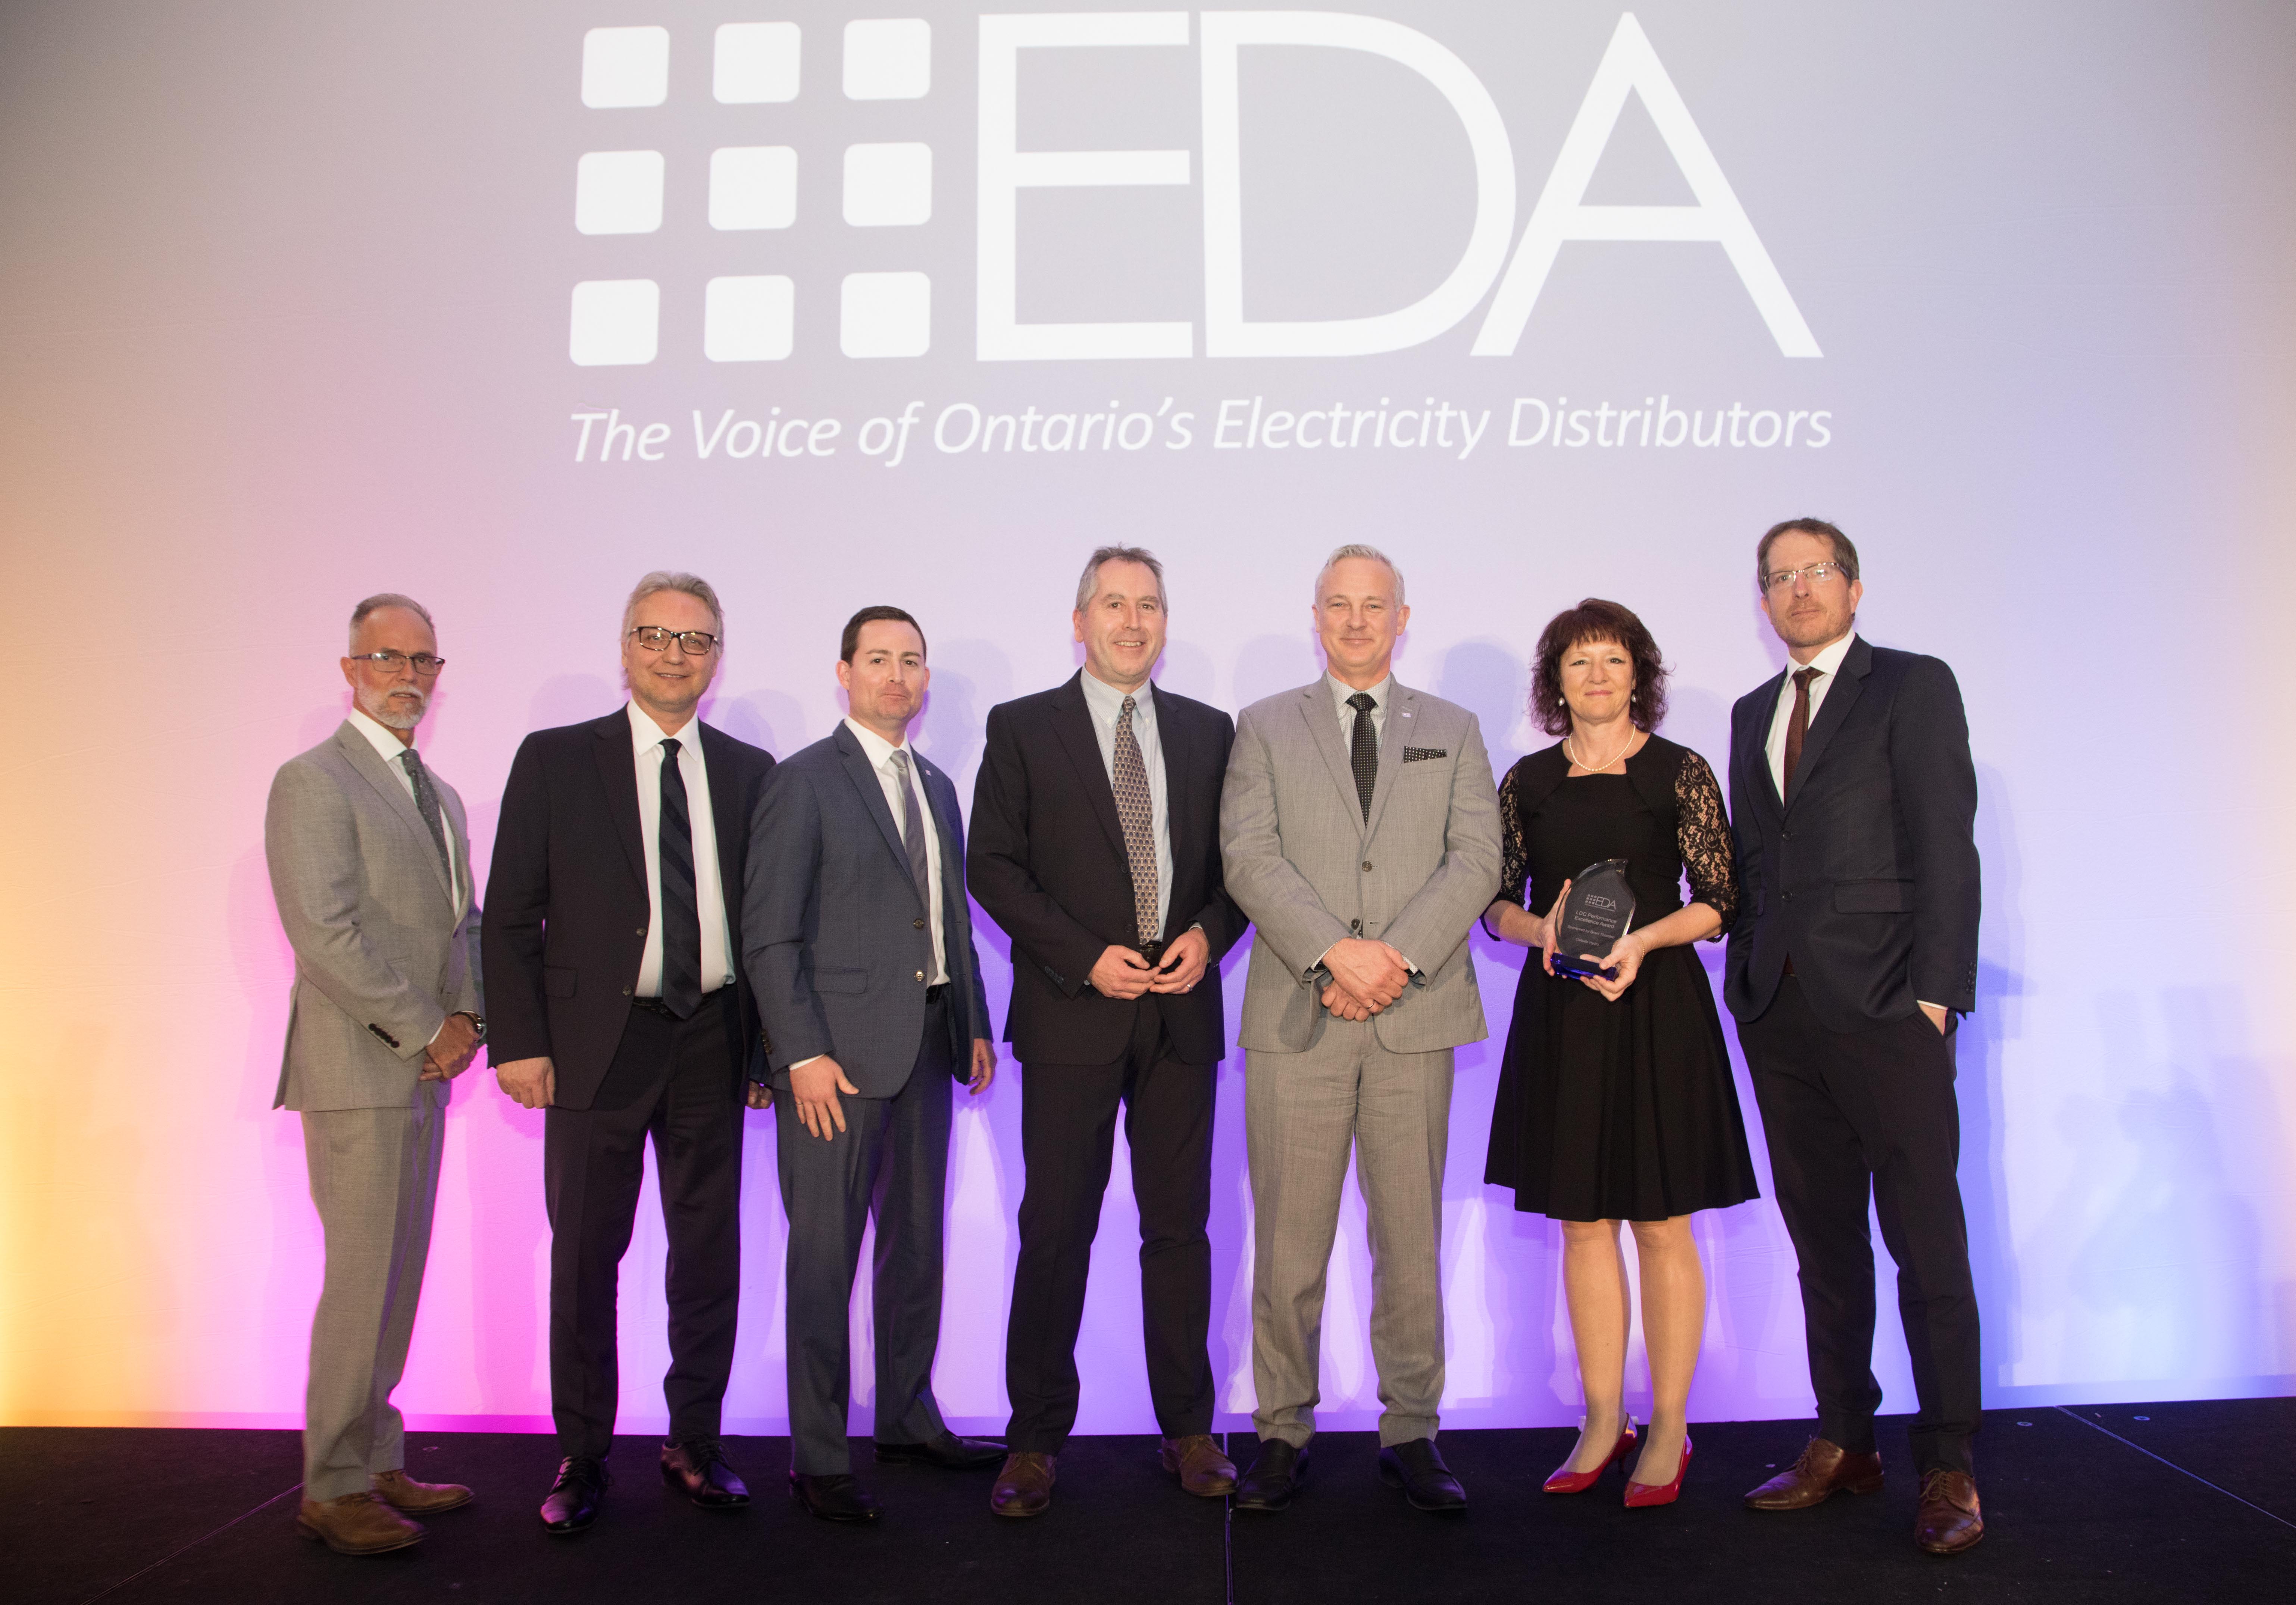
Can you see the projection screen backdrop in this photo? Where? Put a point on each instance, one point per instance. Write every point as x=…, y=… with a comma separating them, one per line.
x=504, y=305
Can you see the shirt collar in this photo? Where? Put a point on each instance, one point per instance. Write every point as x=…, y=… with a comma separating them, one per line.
x=1109, y=702
x=1342, y=690
x=876, y=746
x=1827, y=663
x=380, y=736
x=644, y=734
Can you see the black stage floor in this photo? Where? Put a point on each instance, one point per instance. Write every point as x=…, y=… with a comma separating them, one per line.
x=2126, y=1501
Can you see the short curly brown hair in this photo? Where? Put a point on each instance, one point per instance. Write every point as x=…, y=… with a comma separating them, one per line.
x=1594, y=619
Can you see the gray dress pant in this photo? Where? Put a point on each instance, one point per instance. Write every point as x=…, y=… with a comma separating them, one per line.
x=890, y=1162
x=1303, y=1114
x=374, y=1178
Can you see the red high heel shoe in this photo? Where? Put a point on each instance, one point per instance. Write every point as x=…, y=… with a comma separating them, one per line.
x=1640, y=1494
x=1567, y=1481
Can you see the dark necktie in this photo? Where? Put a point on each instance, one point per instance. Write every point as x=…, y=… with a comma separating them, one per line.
x=1797, y=729
x=681, y=913
x=1136, y=806
x=426, y=803
x=1362, y=750
x=913, y=831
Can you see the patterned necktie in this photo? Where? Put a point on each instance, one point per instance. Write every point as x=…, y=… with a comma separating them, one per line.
x=912, y=831
x=1797, y=729
x=426, y=803
x=681, y=913
x=1362, y=750
x=1136, y=807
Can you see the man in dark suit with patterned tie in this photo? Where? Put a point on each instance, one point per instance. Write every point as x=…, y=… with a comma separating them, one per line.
x=857, y=936
x=1853, y=957
x=1095, y=845
x=620, y=1009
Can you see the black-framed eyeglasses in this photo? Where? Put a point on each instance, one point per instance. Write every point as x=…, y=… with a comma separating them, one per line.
x=426, y=664
x=694, y=644
x=1782, y=580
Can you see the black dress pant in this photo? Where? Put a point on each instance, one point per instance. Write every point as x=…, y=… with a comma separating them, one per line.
x=891, y=1163
x=1851, y=1116
x=676, y=1081
x=1068, y=1131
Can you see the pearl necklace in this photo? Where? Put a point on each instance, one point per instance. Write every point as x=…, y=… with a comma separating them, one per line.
x=1606, y=762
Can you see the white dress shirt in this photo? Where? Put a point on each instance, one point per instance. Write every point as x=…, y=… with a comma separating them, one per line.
x=646, y=738
x=1380, y=695
x=1105, y=703
x=392, y=751
x=1828, y=665
x=880, y=752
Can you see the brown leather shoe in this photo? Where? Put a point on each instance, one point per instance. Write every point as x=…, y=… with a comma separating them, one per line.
x=1024, y=1487
x=401, y=1491
x=1824, y=1470
x=1202, y=1470
x=356, y=1524
x=1948, y=1522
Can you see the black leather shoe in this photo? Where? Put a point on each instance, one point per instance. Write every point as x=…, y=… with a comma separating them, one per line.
x=1417, y=1468
x=835, y=1497
x=572, y=1502
x=950, y=1451
x=1274, y=1478
x=699, y=1467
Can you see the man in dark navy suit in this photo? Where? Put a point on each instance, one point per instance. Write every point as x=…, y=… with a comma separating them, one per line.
x=1095, y=845
x=1852, y=959
x=620, y=1010
x=857, y=936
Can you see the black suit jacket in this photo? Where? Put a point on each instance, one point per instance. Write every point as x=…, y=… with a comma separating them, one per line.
x=1868, y=879
x=834, y=938
x=1048, y=865
x=567, y=908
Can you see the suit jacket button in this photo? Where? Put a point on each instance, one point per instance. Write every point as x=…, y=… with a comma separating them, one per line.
x=1366, y=865
x=921, y=975
x=1356, y=926
x=627, y=991
x=639, y=932
x=920, y=924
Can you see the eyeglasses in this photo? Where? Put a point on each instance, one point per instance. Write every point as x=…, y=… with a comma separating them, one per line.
x=426, y=664
x=1782, y=580
x=694, y=644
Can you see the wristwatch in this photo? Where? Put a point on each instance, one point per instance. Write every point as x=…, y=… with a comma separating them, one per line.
x=478, y=1021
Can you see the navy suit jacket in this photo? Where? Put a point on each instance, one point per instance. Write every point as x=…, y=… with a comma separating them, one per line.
x=1868, y=877
x=567, y=909
x=1049, y=865
x=834, y=938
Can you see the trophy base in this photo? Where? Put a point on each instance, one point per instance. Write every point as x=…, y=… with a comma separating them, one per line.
x=1581, y=969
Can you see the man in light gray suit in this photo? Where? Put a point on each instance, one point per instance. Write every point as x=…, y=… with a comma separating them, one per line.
x=371, y=867
x=1359, y=829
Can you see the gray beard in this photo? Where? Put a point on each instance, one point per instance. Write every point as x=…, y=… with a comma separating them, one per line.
x=378, y=708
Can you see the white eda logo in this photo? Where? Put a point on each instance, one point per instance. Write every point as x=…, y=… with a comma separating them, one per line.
x=750, y=317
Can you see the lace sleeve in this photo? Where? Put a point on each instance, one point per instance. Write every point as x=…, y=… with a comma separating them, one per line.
x=1514, y=863
x=1703, y=832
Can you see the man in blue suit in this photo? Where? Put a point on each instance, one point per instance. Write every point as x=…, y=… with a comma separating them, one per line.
x=1852, y=959
x=857, y=939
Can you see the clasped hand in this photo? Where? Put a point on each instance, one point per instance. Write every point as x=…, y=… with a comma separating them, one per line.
x=450, y=1052
x=1123, y=972
x=1366, y=977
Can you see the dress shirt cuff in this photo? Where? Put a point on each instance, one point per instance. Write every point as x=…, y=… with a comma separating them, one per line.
x=801, y=1063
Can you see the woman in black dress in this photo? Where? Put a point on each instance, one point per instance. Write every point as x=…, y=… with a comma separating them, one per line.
x=1615, y=1102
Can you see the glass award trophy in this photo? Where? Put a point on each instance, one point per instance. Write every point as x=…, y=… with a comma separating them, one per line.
x=1597, y=911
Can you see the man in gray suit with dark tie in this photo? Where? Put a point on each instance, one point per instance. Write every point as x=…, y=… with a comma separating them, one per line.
x=371, y=867
x=1359, y=829
x=858, y=941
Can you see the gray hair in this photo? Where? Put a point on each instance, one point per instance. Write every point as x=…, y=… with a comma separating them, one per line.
x=1339, y=555
x=386, y=599
x=1088, y=582
x=670, y=579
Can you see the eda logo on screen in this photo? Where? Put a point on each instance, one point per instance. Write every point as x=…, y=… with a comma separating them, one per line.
x=890, y=186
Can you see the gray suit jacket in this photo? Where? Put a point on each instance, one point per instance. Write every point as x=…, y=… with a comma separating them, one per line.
x=1303, y=863
x=833, y=935
x=380, y=958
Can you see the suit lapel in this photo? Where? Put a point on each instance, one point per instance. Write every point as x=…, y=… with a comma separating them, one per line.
x=1177, y=737
x=864, y=780
x=1755, y=755
x=377, y=774
x=727, y=817
x=1840, y=698
x=1316, y=707
x=1072, y=723
x=1402, y=705
x=617, y=770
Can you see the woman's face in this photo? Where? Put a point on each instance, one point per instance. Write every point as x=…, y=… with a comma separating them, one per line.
x=1598, y=681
